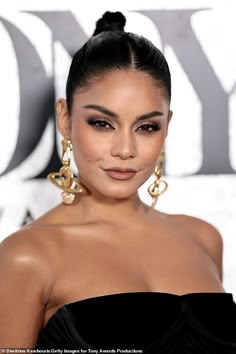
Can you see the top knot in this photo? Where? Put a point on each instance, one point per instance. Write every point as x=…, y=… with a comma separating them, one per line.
x=110, y=21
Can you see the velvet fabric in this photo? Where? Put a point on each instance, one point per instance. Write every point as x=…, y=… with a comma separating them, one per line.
x=145, y=322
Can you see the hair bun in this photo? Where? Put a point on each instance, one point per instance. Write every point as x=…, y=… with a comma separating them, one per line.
x=110, y=21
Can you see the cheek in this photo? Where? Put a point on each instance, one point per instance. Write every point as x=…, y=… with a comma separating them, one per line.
x=85, y=145
x=151, y=149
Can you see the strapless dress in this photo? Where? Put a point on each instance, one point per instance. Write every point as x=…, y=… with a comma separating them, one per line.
x=145, y=322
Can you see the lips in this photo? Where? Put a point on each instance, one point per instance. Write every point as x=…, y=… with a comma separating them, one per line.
x=120, y=173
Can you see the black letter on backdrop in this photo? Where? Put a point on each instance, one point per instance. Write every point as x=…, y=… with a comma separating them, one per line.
x=176, y=31
x=36, y=96
x=65, y=29
x=37, y=93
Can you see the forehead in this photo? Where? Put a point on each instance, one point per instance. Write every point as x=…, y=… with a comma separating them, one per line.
x=124, y=89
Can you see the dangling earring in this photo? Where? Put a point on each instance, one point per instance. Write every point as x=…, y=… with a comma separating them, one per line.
x=159, y=186
x=64, y=179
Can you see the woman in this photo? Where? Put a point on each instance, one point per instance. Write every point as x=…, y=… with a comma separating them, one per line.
x=95, y=271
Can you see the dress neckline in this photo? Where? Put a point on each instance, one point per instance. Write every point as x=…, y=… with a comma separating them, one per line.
x=176, y=297
x=150, y=293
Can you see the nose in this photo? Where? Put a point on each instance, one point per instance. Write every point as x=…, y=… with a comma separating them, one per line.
x=123, y=145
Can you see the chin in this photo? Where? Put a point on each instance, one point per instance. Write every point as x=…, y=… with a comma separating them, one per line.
x=118, y=194
x=114, y=193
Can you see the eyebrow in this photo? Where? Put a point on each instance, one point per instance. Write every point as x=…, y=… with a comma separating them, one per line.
x=106, y=111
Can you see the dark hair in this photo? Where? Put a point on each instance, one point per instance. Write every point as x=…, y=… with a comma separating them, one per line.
x=110, y=48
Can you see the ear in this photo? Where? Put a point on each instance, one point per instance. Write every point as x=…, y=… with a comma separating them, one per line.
x=63, y=119
x=170, y=114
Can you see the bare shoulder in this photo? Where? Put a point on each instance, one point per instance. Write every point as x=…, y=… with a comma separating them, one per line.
x=24, y=252
x=203, y=230
x=204, y=233
x=35, y=243
x=23, y=247
x=34, y=247
x=21, y=242
x=24, y=288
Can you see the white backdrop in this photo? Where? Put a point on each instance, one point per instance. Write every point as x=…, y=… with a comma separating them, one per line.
x=208, y=193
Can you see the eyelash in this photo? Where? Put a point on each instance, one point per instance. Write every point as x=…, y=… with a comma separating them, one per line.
x=95, y=122
x=99, y=124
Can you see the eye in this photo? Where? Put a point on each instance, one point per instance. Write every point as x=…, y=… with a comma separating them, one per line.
x=150, y=127
x=100, y=124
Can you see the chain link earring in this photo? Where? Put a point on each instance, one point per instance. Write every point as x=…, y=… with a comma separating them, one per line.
x=64, y=179
x=159, y=186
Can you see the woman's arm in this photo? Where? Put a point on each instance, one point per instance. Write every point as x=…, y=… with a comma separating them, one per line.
x=22, y=283
x=208, y=238
x=211, y=240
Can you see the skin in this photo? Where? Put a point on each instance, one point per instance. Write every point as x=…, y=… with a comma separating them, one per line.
x=107, y=241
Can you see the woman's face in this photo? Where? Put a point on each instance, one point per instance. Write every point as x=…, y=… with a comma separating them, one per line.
x=119, y=123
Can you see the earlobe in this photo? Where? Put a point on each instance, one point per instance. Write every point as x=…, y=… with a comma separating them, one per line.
x=63, y=119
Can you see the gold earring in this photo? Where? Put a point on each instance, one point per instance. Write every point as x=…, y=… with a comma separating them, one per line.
x=159, y=186
x=64, y=179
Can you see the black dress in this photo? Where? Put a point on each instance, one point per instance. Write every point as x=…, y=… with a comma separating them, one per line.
x=145, y=322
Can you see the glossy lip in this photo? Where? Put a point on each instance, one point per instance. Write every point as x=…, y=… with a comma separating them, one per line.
x=120, y=173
